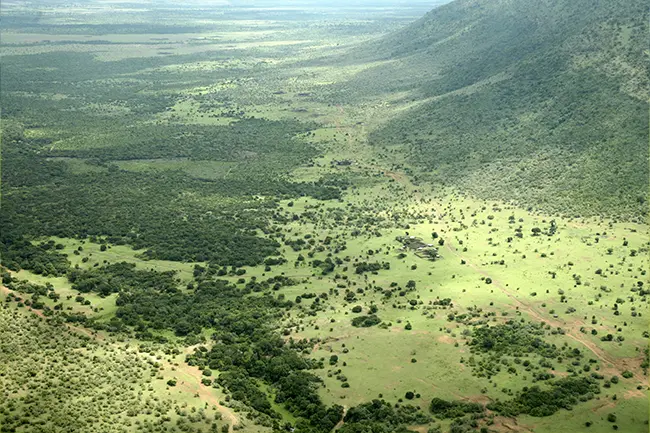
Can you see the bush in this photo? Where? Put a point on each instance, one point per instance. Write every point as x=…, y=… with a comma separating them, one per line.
x=564, y=393
x=453, y=409
x=366, y=321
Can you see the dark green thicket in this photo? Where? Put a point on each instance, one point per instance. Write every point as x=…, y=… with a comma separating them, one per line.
x=512, y=338
x=142, y=211
x=379, y=416
x=366, y=321
x=18, y=253
x=518, y=345
x=168, y=214
x=563, y=394
x=245, y=141
x=453, y=409
x=120, y=277
x=213, y=304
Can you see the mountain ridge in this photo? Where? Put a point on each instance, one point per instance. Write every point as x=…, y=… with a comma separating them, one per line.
x=544, y=103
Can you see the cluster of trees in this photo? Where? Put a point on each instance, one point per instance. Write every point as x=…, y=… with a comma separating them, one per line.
x=379, y=416
x=453, y=409
x=512, y=338
x=121, y=277
x=36, y=291
x=364, y=267
x=246, y=356
x=563, y=394
x=535, y=401
x=366, y=321
x=518, y=343
x=16, y=252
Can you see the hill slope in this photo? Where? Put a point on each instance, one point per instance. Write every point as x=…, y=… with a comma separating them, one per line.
x=544, y=102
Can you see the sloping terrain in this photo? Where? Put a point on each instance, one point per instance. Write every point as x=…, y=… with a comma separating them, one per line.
x=545, y=102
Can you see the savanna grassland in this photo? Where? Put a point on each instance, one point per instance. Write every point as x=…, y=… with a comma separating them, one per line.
x=346, y=218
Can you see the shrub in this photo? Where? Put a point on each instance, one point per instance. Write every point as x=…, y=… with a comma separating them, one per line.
x=366, y=321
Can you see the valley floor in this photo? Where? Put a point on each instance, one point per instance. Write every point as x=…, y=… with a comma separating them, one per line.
x=433, y=263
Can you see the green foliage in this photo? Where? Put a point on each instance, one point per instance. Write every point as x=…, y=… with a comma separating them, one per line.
x=245, y=356
x=168, y=214
x=47, y=370
x=534, y=401
x=532, y=90
x=513, y=105
x=366, y=321
x=513, y=338
x=121, y=277
x=453, y=409
x=16, y=253
x=364, y=267
x=245, y=389
x=379, y=416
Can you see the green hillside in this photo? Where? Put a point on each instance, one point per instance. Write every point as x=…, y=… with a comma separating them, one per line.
x=543, y=102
